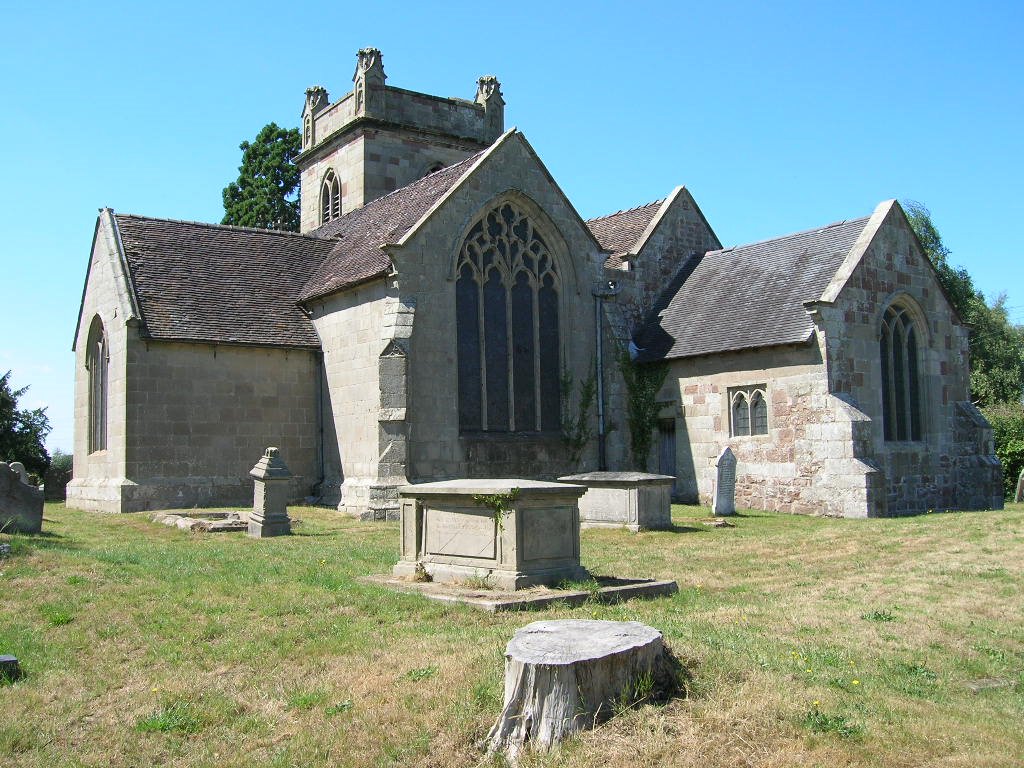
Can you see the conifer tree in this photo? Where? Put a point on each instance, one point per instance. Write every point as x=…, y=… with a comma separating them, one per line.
x=266, y=194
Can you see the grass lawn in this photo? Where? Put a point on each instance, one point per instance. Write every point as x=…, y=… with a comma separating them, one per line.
x=808, y=641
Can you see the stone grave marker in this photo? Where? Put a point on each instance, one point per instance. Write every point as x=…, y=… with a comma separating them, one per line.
x=21, y=504
x=724, y=502
x=269, y=515
x=1019, y=497
x=10, y=670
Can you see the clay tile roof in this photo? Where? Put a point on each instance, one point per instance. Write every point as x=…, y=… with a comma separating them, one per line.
x=205, y=282
x=356, y=238
x=618, y=232
x=748, y=296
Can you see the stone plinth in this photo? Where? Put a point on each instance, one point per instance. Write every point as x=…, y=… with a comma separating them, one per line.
x=21, y=504
x=633, y=500
x=270, y=502
x=451, y=537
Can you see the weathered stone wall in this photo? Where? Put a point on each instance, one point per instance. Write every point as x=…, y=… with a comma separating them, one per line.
x=352, y=327
x=807, y=463
x=953, y=465
x=99, y=476
x=199, y=416
x=347, y=162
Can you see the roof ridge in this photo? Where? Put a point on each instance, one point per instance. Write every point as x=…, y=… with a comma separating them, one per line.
x=791, y=234
x=230, y=227
x=628, y=210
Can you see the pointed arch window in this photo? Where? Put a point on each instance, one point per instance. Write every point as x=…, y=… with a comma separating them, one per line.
x=507, y=327
x=901, y=384
x=97, y=359
x=748, y=411
x=330, y=198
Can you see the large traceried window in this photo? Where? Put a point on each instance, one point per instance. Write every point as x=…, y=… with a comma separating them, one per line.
x=330, y=198
x=97, y=358
x=748, y=411
x=506, y=305
x=901, y=385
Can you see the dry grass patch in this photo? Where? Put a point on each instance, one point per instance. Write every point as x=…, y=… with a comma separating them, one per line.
x=808, y=642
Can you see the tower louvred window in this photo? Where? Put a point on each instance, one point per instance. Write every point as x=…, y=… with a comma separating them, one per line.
x=506, y=297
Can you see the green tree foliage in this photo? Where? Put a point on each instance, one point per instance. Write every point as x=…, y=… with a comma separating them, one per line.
x=22, y=432
x=996, y=345
x=1007, y=420
x=266, y=194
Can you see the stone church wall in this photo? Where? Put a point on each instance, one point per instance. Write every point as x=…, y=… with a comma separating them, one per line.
x=436, y=447
x=805, y=464
x=953, y=466
x=351, y=325
x=199, y=416
x=99, y=476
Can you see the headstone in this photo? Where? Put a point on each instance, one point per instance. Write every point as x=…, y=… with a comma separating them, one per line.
x=21, y=504
x=1019, y=497
x=10, y=670
x=270, y=502
x=724, y=502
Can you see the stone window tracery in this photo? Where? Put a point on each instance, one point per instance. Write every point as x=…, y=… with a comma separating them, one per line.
x=507, y=323
x=97, y=358
x=748, y=411
x=330, y=198
x=901, y=385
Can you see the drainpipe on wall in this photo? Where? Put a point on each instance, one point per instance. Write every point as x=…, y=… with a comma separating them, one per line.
x=605, y=289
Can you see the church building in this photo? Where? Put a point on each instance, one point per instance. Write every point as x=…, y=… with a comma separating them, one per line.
x=444, y=306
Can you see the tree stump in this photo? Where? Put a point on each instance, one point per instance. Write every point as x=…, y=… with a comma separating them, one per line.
x=565, y=675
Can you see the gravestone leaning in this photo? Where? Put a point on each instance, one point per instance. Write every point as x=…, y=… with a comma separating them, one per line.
x=1019, y=497
x=21, y=504
x=724, y=502
x=269, y=515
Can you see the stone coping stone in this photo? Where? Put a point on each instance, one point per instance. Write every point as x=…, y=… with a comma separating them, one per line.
x=637, y=478
x=612, y=590
x=488, y=486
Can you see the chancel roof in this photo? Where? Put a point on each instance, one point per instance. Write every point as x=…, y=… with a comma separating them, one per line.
x=619, y=232
x=357, y=237
x=747, y=296
x=207, y=282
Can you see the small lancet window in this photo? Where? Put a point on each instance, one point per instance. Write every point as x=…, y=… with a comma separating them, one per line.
x=330, y=198
x=97, y=359
x=748, y=411
x=901, y=386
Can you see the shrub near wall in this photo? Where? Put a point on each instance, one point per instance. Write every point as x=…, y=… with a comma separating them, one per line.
x=1007, y=420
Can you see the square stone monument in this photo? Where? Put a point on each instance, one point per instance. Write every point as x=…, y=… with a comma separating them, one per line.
x=454, y=538
x=631, y=500
x=269, y=516
x=724, y=502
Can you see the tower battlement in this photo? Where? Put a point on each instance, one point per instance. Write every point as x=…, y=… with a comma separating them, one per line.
x=378, y=138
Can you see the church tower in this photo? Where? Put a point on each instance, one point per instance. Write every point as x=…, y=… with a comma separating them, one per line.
x=378, y=138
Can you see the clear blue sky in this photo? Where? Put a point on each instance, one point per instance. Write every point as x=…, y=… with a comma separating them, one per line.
x=777, y=116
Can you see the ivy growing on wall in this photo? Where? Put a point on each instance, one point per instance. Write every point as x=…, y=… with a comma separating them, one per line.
x=643, y=380
x=577, y=429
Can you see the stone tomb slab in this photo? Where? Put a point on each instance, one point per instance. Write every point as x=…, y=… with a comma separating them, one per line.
x=608, y=590
x=451, y=537
x=631, y=500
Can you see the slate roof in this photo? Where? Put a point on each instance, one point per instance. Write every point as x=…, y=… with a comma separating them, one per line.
x=206, y=282
x=747, y=296
x=618, y=232
x=356, y=255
